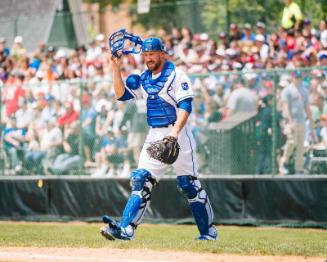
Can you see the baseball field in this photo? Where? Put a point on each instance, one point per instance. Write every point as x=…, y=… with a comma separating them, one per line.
x=77, y=241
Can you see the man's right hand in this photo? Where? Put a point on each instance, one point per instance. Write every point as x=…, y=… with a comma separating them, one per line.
x=115, y=62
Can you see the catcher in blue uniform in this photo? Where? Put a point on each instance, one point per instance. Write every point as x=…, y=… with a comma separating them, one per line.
x=168, y=94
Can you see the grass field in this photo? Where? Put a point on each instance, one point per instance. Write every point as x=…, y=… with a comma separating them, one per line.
x=232, y=240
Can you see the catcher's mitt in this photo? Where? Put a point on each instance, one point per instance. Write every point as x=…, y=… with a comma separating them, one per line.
x=165, y=150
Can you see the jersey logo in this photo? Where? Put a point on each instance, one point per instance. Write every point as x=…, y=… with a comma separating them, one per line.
x=185, y=86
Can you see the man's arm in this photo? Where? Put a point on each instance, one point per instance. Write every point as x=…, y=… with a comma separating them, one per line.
x=180, y=123
x=119, y=86
x=185, y=109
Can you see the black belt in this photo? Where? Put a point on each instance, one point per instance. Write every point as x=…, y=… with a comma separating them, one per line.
x=163, y=126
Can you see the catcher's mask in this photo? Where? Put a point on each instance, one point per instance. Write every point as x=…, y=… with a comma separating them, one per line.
x=152, y=44
x=122, y=43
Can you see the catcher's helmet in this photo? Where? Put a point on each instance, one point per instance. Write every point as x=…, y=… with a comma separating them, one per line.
x=152, y=44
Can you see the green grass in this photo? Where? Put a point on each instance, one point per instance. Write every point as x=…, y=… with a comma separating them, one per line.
x=236, y=240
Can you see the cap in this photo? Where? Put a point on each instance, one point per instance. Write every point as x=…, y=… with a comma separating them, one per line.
x=233, y=26
x=283, y=83
x=49, y=97
x=2, y=40
x=39, y=74
x=152, y=44
x=261, y=24
x=247, y=26
x=306, y=21
x=18, y=39
x=99, y=37
x=69, y=104
x=222, y=35
x=260, y=38
x=297, y=74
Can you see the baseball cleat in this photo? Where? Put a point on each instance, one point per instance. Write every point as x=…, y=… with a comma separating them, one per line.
x=213, y=234
x=113, y=231
x=206, y=237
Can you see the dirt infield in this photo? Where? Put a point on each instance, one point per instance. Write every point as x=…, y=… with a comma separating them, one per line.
x=131, y=255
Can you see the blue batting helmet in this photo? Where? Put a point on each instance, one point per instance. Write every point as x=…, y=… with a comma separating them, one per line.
x=152, y=44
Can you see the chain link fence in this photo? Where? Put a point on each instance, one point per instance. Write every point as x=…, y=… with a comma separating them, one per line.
x=238, y=121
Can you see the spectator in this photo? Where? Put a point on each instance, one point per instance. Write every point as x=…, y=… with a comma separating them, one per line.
x=69, y=116
x=234, y=33
x=295, y=109
x=49, y=111
x=292, y=15
x=88, y=117
x=241, y=100
x=265, y=132
x=24, y=115
x=14, y=139
x=18, y=50
x=51, y=141
x=70, y=159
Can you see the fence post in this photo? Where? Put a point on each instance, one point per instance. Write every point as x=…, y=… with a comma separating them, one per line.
x=274, y=125
x=81, y=138
x=1, y=130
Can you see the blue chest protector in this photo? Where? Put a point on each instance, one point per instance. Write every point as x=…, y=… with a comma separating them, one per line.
x=159, y=112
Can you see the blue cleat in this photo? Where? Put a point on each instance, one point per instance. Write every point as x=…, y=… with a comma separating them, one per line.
x=113, y=231
x=213, y=235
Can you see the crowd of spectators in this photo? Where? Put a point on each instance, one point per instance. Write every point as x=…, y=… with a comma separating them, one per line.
x=50, y=126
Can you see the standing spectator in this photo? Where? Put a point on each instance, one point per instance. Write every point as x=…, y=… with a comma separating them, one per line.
x=295, y=109
x=261, y=29
x=234, y=33
x=262, y=46
x=264, y=149
x=18, y=50
x=88, y=118
x=248, y=36
x=292, y=15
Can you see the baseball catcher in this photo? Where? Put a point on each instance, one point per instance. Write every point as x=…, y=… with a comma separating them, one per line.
x=168, y=95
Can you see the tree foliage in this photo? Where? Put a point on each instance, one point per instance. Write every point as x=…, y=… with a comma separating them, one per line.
x=213, y=16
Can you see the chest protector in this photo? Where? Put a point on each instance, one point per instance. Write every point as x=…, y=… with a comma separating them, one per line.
x=159, y=112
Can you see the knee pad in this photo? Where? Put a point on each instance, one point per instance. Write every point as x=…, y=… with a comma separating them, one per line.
x=199, y=202
x=188, y=185
x=141, y=183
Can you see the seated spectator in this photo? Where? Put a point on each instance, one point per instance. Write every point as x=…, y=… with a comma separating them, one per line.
x=70, y=159
x=33, y=154
x=69, y=116
x=51, y=142
x=14, y=139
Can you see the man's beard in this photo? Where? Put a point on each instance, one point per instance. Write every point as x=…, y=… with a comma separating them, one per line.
x=154, y=66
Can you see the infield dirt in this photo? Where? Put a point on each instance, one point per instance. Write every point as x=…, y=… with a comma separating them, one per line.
x=18, y=254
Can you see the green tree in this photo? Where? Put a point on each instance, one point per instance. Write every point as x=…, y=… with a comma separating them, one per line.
x=163, y=14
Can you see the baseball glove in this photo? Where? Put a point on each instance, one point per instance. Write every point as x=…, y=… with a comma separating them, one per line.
x=165, y=150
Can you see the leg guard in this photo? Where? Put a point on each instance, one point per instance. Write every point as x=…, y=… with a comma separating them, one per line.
x=141, y=182
x=200, y=206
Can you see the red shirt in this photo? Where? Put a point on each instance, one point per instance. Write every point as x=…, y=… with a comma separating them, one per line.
x=68, y=118
x=12, y=99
